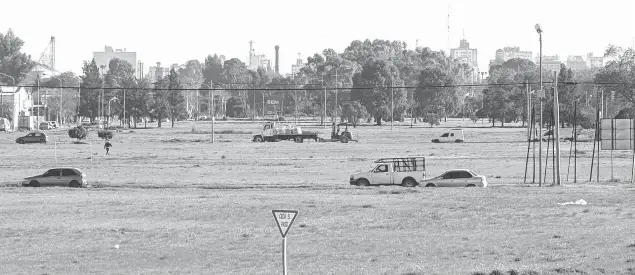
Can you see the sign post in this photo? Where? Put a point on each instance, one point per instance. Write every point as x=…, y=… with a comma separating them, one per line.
x=284, y=220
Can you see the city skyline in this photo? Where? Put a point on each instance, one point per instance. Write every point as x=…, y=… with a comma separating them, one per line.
x=568, y=29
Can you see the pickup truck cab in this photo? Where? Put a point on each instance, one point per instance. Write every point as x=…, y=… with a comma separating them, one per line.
x=407, y=172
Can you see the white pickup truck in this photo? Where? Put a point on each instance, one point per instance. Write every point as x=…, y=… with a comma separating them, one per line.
x=408, y=171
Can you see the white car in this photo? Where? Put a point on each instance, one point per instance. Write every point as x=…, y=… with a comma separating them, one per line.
x=456, y=178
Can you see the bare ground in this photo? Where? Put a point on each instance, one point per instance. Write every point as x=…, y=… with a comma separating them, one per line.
x=177, y=204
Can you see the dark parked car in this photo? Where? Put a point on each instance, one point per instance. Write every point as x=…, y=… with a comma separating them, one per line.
x=33, y=138
x=71, y=177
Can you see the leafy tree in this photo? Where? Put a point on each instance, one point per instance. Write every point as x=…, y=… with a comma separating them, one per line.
x=213, y=69
x=67, y=97
x=89, y=96
x=159, y=107
x=175, y=99
x=432, y=119
x=12, y=61
x=78, y=132
x=105, y=134
x=353, y=111
x=236, y=75
x=380, y=75
x=139, y=101
x=620, y=69
x=7, y=110
x=191, y=77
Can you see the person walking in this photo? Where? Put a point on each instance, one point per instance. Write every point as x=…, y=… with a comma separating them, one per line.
x=107, y=147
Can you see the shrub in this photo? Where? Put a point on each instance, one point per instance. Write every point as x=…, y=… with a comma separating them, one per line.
x=78, y=132
x=432, y=119
x=105, y=134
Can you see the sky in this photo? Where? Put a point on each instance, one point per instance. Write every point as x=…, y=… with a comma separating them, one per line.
x=177, y=31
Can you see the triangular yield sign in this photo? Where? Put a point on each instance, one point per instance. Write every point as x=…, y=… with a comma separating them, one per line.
x=284, y=220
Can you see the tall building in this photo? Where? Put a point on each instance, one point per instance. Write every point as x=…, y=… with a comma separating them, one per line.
x=550, y=63
x=508, y=53
x=256, y=61
x=103, y=58
x=576, y=63
x=465, y=54
x=295, y=68
x=156, y=72
x=594, y=62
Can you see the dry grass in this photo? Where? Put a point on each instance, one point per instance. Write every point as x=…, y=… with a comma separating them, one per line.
x=188, y=206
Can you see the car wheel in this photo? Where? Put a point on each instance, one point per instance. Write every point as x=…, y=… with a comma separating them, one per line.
x=363, y=182
x=34, y=183
x=298, y=139
x=458, y=141
x=409, y=183
x=344, y=139
x=21, y=141
x=74, y=184
x=430, y=185
x=258, y=139
x=471, y=185
x=42, y=141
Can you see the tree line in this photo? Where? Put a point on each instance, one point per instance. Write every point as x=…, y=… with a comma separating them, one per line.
x=370, y=77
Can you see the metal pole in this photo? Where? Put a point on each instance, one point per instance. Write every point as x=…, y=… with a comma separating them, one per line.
x=295, y=102
x=575, y=142
x=284, y=256
x=324, y=120
x=336, y=86
x=599, y=129
x=540, y=126
x=392, y=103
x=38, y=101
x=61, y=117
x=79, y=100
x=211, y=92
x=124, y=108
x=528, y=112
x=556, y=110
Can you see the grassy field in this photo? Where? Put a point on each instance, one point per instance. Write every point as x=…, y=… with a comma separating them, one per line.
x=175, y=203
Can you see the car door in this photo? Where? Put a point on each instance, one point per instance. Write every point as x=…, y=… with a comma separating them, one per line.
x=462, y=179
x=381, y=175
x=68, y=175
x=445, y=179
x=51, y=177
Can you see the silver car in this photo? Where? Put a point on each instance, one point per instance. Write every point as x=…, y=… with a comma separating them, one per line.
x=71, y=177
x=456, y=178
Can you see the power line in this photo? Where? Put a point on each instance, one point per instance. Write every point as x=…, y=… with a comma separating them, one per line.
x=328, y=88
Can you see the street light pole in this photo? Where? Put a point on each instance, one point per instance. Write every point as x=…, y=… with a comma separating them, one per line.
x=556, y=110
x=109, y=113
x=79, y=97
x=211, y=85
x=541, y=95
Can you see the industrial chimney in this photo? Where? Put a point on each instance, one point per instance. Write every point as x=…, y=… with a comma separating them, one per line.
x=276, y=68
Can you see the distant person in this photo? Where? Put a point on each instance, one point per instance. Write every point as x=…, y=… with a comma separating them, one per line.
x=107, y=147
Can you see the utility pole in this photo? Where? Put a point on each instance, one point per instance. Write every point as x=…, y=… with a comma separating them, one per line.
x=556, y=110
x=336, y=86
x=540, y=95
x=392, y=101
x=324, y=120
x=211, y=92
x=124, y=108
x=528, y=113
